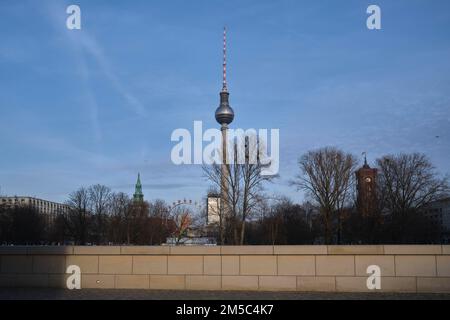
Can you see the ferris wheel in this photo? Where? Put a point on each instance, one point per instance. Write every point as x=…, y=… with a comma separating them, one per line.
x=195, y=205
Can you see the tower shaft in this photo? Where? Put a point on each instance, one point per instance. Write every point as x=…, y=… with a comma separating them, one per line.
x=225, y=173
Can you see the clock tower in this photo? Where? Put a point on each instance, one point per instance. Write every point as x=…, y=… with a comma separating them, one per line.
x=366, y=183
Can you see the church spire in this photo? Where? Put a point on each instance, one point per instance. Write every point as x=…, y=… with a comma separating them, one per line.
x=139, y=179
x=138, y=195
x=366, y=166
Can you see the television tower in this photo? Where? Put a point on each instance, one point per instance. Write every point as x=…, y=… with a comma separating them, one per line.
x=224, y=116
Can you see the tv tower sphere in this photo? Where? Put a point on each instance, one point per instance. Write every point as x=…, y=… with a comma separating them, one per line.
x=224, y=113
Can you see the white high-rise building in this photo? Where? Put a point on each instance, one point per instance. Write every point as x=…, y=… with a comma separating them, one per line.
x=439, y=214
x=213, y=209
x=44, y=207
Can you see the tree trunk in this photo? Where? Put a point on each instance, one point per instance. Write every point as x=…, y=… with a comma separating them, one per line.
x=128, y=234
x=242, y=233
x=235, y=232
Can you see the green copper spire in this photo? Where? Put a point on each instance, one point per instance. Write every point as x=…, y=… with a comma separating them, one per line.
x=138, y=195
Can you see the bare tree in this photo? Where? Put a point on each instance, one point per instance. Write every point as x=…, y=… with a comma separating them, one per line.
x=182, y=218
x=409, y=182
x=252, y=184
x=100, y=202
x=159, y=209
x=77, y=219
x=326, y=176
x=158, y=224
x=119, y=214
x=245, y=185
x=137, y=224
x=22, y=225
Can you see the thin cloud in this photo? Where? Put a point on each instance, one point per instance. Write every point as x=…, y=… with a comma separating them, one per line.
x=88, y=44
x=92, y=46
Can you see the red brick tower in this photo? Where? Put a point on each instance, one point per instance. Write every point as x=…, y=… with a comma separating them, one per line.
x=366, y=178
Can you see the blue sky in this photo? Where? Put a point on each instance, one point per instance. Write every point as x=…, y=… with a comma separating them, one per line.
x=98, y=105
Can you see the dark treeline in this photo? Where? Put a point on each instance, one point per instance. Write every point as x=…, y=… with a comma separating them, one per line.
x=405, y=185
x=290, y=224
x=21, y=225
x=95, y=215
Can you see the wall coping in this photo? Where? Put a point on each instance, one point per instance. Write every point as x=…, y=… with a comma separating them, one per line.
x=230, y=250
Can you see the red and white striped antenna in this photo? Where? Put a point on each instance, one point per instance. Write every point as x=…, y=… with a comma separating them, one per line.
x=224, y=84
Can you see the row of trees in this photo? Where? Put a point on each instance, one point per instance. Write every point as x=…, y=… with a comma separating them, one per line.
x=286, y=223
x=96, y=215
x=406, y=184
x=22, y=225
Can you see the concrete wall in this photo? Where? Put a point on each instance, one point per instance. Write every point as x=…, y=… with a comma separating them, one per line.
x=271, y=268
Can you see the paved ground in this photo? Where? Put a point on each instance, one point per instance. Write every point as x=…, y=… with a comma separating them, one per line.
x=94, y=294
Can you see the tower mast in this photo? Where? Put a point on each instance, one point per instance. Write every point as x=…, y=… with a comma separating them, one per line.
x=224, y=116
x=224, y=76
